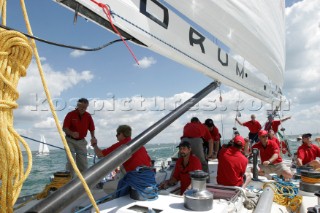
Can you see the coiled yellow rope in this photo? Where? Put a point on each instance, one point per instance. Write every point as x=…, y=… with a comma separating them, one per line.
x=292, y=203
x=55, y=184
x=15, y=57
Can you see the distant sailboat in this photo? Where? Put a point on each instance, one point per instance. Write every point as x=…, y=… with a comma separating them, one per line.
x=89, y=155
x=43, y=147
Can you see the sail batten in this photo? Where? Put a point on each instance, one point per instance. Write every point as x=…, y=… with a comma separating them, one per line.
x=163, y=31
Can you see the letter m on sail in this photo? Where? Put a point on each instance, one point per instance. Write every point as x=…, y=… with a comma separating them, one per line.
x=240, y=72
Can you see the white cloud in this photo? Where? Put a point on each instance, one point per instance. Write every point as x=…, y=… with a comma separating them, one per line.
x=78, y=53
x=303, y=42
x=31, y=86
x=146, y=62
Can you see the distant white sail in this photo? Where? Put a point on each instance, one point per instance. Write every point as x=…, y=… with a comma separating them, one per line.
x=252, y=29
x=43, y=147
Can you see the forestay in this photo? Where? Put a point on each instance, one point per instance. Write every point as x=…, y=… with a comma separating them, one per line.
x=252, y=29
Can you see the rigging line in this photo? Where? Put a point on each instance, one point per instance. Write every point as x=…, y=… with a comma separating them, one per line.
x=106, y=9
x=42, y=142
x=235, y=122
x=64, y=45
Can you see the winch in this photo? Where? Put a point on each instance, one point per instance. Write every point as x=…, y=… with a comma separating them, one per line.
x=198, y=198
x=310, y=181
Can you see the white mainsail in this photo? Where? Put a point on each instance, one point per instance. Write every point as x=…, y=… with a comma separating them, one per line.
x=43, y=147
x=252, y=29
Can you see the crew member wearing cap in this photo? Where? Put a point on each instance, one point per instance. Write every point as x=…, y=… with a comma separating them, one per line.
x=270, y=156
x=308, y=152
x=186, y=163
x=195, y=132
x=232, y=164
x=274, y=124
x=76, y=125
x=215, y=135
x=254, y=126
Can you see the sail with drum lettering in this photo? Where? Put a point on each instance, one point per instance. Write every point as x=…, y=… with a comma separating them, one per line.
x=238, y=43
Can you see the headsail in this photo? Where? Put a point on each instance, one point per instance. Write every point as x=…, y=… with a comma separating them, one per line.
x=43, y=147
x=260, y=42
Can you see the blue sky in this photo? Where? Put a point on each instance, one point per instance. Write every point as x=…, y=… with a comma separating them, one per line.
x=111, y=76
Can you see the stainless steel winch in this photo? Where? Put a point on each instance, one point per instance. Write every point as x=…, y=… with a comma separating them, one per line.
x=198, y=198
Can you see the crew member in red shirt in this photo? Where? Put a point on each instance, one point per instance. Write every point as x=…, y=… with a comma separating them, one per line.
x=215, y=135
x=308, y=152
x=184, y=165
x=274, y=124
x=254, y=126
x=270, y=157
x=232, y=164
x=195, y=132
x=138, y=162
x=273, y=138
x=76, y=125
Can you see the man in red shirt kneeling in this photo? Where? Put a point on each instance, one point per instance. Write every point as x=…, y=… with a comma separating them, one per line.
x=271, y=161
x=232, y=164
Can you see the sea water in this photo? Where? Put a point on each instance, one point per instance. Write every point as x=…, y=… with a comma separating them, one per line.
x=45, y=166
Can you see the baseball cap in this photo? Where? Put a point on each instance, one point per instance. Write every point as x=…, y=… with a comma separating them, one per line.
x=239, y=140
x=184, y=144
x=262, y=133
x=209, y=122
x=307, y=135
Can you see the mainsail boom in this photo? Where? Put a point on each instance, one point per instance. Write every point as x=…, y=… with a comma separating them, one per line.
x=163, y=31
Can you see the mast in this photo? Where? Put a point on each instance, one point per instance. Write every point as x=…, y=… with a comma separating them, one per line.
x=74, y=189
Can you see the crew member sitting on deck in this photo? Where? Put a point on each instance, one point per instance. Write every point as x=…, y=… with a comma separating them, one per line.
x=308, y=152
x=186, y=163
x=137, y=167
x=232, y=164
x=270, y=156
x=254, y=126
x=195, y=132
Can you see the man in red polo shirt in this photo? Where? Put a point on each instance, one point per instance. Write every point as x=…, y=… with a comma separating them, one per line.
x=271, y=161
x=76, y=125
x=195, y=132
x=215, y=135
x=308, y=152
x=254, y=126
x=139, y=161
x=232, y=164
x=274, y=124
x=184, y=165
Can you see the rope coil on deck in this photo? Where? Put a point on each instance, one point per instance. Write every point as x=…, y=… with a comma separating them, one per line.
x=15, y=57
x=285, y=193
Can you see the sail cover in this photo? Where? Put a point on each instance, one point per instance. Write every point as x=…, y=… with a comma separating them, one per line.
x=182, y=30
